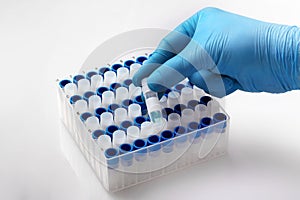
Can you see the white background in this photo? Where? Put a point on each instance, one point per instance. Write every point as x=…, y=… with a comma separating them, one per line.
x=43, y=40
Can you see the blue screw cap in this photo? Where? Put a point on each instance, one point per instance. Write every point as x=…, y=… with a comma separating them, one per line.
x=63, y=83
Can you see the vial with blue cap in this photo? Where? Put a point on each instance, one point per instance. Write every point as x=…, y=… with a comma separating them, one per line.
x=97, y=133
x=90, y=74
x=126, y=155
x=126, y=83
x=219, y=119
x=139, y=146
x=166, y=137
x=139, y=100
x=126, y=158
x=139, y=120
x=115, y=67
x=88, y=94
x=85, y=115
x=205, y=99
x=77, y=78
x=205, y=125
x=75, y=98
x=114, y=86
x=113, y=107
x=99, y=111
x=181, y=136
x=125, y=125
x=111, y=129
x=153, y=143
x=111, y=155
x=101, y=90
x=126, y=103
x=166, y=112
x=194, y=132
x=220, y=124
x=179, y=87
x=141, y=59
x=102, y=70
x=63, y=83
x=128, y=63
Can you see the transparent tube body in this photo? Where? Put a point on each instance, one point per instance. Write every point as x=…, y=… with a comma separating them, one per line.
x=152, y=103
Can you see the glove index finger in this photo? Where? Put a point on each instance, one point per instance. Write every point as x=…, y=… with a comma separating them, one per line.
x=169, y=46
x=157, y=58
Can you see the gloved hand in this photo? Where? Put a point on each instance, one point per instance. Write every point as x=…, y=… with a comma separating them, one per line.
x=221, y=52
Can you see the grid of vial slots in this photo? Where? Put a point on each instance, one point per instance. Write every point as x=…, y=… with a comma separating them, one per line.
x=107, y=117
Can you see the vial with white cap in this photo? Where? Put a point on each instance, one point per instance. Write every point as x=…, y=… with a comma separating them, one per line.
x=92, y=123
x=83, y=86
x=121, y=94
x=133, y=133
x=134, y=68
x=152, y=103
x=187, y=116
x=119, y=137
x=70, y=89
x=80, y=106
x=173, y=121
x=120, y=115
x=104, y=142
x=109, y=78
x=146, y=129
x=173, y=99
x=94, y=102
x=201, y=111
x=108, y=98
x=134, y=91
x=213, y=107
x=134, y=110
x=122, y=74
x=96, y=81
x=106, y=119
x=186, y=95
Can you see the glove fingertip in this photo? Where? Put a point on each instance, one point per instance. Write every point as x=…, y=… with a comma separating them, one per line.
x=156, y=87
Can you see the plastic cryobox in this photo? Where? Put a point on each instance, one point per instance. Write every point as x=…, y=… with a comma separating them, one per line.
x=201, y=135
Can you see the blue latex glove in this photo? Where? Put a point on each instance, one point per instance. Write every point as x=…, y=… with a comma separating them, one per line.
x=221, y=52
